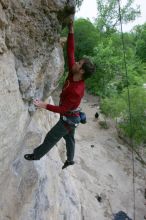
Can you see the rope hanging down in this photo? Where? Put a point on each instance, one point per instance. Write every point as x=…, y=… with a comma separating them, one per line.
x=129, y=106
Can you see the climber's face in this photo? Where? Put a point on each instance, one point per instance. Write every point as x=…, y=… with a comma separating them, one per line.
x=77, y=67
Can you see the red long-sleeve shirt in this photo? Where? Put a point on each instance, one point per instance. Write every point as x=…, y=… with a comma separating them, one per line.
x=72, y=91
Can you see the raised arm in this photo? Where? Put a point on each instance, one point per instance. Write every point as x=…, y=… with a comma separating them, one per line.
x=70, y=46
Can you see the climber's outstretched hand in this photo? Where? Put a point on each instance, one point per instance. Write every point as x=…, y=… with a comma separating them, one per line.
x=71, y=25
x=39, y=103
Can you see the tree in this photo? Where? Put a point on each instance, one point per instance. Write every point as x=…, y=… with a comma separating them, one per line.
x=108, y=14
x=118, y=106
x=139, y=33
x=110, y=77
x=108, y=54
x=86, y=38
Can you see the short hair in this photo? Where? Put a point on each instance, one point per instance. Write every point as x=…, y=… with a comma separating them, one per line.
x=88, y=67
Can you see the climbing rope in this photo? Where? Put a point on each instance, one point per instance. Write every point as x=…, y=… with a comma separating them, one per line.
x=129, y=106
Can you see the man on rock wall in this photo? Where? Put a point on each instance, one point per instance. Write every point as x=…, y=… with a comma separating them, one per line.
x=70, y=98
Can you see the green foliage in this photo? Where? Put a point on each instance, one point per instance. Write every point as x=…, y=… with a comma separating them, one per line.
x=86, y=38
x=113, y=106
x=110, y=77
x=62, y=79
x=108, y=11
x=107, y=65
x=139, y=33
x=118, y=106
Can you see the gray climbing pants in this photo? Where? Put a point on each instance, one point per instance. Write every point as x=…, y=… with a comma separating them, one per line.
x=61, y=129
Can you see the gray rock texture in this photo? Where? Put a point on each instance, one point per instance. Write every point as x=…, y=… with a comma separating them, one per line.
x=31, y=31
x=31, y=62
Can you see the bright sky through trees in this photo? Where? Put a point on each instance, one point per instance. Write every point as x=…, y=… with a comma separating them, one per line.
x=89, y=10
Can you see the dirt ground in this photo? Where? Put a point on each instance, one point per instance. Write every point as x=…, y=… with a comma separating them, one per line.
x=104, y=167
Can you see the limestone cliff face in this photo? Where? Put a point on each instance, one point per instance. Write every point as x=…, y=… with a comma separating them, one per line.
x=30, y=30
x=31, y=61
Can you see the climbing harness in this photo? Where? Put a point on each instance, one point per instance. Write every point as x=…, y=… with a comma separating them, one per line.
x=76, y=112
x=68, y=121
x=129, y=106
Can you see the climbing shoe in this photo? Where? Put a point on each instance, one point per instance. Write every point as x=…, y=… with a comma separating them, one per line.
x=30, y=157
x=67, y=163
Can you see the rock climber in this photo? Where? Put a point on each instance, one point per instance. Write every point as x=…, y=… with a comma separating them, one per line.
x=70, y=98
